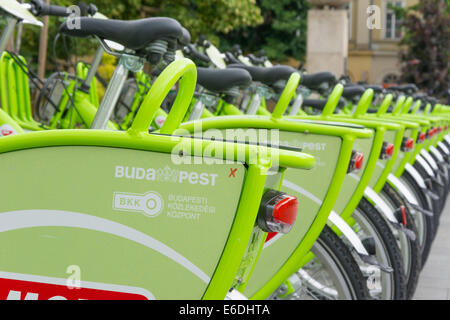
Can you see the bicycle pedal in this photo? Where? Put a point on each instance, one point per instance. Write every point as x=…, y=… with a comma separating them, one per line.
x=421, y=210
x=437, y=182
x=370, y=259
x=430, y=193
x=411, y=235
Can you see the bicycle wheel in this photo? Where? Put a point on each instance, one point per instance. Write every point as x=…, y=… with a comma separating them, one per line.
x=425, y=223
x=410, y=249
x=333, y=274
x=438, y=190
x=370, y=224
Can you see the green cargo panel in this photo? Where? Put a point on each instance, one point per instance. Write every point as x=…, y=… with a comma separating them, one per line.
x=125, y=218
x=310, y=187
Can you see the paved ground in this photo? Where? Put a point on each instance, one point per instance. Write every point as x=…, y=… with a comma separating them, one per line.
x=434, y=282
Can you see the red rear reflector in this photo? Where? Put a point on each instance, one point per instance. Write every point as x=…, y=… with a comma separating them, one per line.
x=359, y=161
x=356, y=163
x=421, y=137
x=405, y=222
x=390, y=150
x=387, y=151
x=278, y=212
x=432, y=132
x=407, y=145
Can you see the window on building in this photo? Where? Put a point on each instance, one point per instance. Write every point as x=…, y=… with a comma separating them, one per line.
x=392, y=25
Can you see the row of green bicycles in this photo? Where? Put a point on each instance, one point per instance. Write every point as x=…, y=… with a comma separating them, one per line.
x=210, y=175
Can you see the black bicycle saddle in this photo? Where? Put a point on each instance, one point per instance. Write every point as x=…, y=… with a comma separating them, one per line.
x=314, y=81
x=353, y=91
x=220, y=80
x=133, y=34
x=268, y=76
x=375, y=88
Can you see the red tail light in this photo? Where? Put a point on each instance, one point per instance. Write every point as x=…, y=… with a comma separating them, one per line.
x=446, y=127
x=439, y=130
x=278, y=212
x=407, y=145
x=421, y=138
x=388, y=151
x=431, y=133
x=356, y=163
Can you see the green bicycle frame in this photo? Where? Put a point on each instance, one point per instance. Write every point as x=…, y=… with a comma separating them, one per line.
x=151, y=247
x=281, y=257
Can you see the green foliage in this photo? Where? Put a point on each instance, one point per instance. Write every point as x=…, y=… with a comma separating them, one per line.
x=278, y=27
x=282, y=34
x=198, y=16
x=427, y=46
x=210, y=17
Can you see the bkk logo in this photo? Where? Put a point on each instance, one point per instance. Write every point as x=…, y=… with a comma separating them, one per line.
x=151, y=203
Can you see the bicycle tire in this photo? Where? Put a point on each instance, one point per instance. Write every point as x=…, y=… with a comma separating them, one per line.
x=387, y=249
x=437, y=203
x=429, y=221
x=415, y=256
x=337, y=253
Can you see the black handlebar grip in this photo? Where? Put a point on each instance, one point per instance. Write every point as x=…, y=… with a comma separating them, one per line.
x=203, y=42
x=193, y=52
x=40, y=8
x=230, y=58
x=87, y=9
x=261, y=53
x=256, y=60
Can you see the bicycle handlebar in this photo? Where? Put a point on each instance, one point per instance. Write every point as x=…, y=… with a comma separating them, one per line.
x=203, y=42
x=255, y=60
x=40, y=8
x=230, y=58
x=192, y=51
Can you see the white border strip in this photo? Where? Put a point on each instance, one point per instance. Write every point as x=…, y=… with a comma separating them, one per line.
x=16, y=220
x=425, y=165
x=402, y=188
x=429, y=159
x=437, y=154
x=382, y=206
x=348, y=232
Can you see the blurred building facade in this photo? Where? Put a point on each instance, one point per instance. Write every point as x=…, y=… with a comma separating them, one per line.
x=373, y=54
